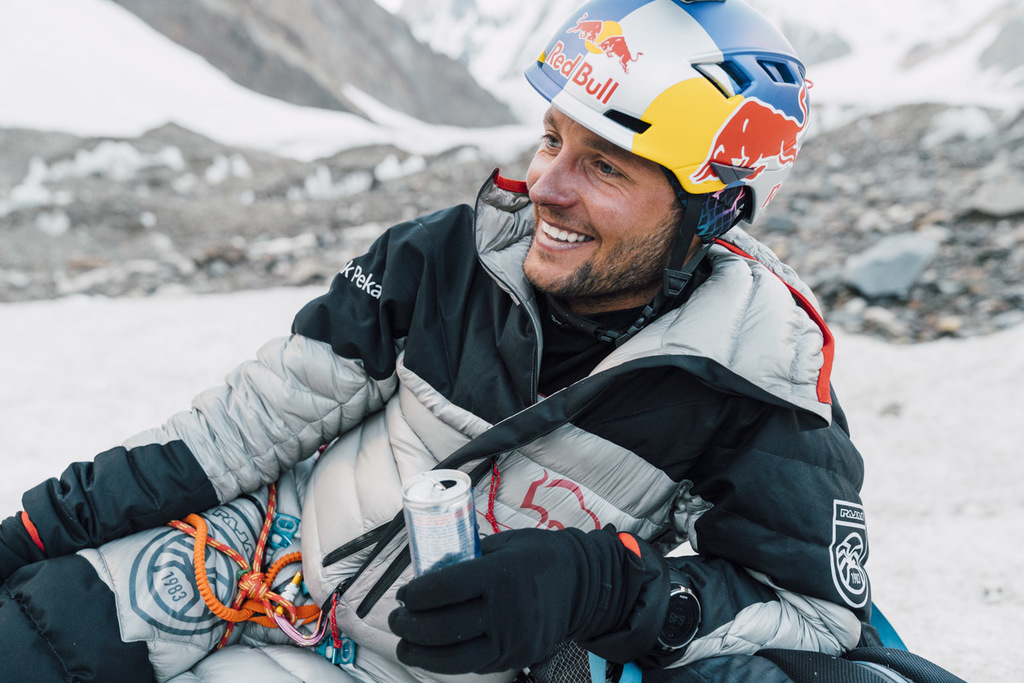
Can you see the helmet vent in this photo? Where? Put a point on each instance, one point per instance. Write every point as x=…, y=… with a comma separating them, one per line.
x=623, y=119
x=778, y=71
x=728, y=77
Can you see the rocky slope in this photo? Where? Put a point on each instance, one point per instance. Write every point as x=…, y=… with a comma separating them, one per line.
x=311, y=52
x=908, y=225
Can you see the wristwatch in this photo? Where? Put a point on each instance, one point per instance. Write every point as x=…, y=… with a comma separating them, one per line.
x=681, y=621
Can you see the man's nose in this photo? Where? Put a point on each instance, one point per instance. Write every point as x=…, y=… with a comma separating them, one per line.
x=554, y=182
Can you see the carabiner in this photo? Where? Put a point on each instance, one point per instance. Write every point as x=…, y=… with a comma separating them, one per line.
x=303, y=640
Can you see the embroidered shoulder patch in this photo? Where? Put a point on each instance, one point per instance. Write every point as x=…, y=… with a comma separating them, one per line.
x=849, y=551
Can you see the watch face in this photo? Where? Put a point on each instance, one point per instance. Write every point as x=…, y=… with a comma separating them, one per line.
x=682, y=619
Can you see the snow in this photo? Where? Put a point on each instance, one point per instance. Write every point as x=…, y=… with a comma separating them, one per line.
x=939, y=426
x=970, y=123
x=949, y=36
x=92, y=68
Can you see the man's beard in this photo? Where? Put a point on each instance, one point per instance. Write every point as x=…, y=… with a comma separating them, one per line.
x=628, y=270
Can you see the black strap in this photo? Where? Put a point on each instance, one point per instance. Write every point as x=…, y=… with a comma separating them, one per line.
x=905, y=663
x=565, y=316
x=676, y=273
x=816, y=667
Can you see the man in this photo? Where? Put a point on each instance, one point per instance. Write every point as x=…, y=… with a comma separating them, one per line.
x=617, y=373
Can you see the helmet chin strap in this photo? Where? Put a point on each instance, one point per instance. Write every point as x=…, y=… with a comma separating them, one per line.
x=678, y=270
x=676, y=275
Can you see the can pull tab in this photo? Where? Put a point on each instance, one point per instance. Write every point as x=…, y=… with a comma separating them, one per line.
x=439, y=486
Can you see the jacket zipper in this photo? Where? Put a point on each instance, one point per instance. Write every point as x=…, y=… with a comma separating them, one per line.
x=534, y=320
x=354, y=546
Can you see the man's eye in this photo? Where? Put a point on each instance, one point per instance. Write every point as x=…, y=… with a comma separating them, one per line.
x=549, y=141
x=606, y=169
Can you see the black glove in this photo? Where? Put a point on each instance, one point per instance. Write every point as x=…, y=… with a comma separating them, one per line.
x=530, y=590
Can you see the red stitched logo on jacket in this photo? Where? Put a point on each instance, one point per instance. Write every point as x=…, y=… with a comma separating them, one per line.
x=557, y=493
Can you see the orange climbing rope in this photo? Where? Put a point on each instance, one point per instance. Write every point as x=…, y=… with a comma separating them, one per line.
x=255, y=600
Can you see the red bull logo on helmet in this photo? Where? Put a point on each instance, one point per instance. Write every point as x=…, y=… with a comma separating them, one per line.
x=599, y=37
x=605, y=37
x=755, y=137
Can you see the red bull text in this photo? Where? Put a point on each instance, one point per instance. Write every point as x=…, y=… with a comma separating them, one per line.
x=441, y=518
x=579, y=72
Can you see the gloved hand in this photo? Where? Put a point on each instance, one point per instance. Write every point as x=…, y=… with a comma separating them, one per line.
x=530, y=590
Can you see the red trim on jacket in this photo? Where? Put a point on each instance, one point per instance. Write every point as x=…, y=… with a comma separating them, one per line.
x=827, y=348
x=517, y=186
x=32, y=531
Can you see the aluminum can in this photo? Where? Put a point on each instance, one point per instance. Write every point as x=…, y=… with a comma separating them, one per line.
x=441, y=519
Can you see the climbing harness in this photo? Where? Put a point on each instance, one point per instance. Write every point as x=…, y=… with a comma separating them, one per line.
x=255, y=601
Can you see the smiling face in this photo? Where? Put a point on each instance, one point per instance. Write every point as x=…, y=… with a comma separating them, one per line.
x=605, y=219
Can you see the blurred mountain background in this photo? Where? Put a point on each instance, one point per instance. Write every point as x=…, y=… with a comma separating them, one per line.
x=309, y=52
x=154, y=147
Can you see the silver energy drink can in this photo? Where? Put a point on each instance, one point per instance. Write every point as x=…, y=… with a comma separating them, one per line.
x=441, y=519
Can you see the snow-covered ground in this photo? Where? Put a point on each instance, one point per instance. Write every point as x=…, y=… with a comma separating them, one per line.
x=939, y=425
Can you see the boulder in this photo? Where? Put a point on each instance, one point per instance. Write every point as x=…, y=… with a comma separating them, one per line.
x=891, y=266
